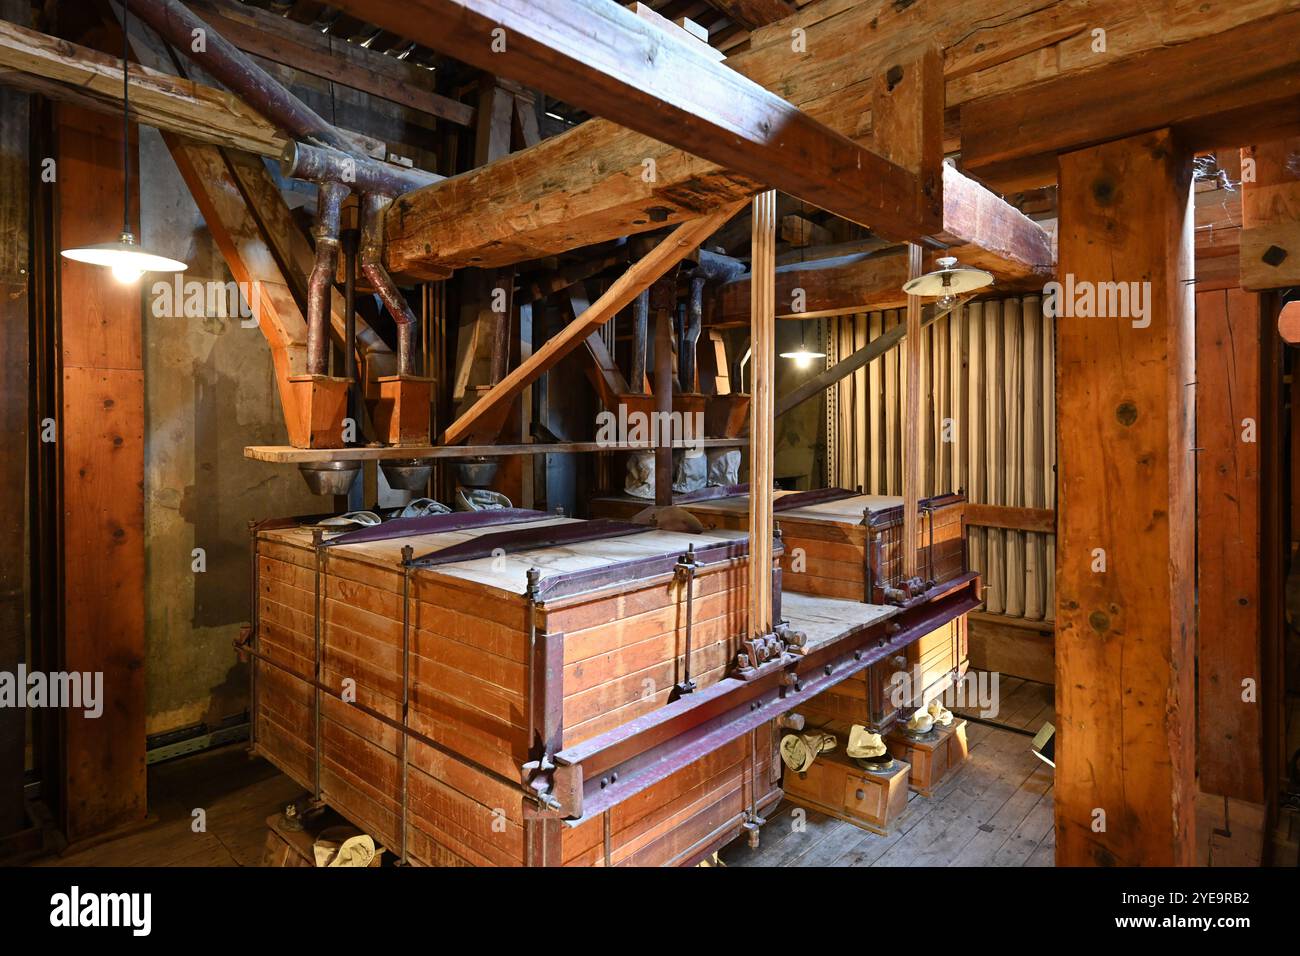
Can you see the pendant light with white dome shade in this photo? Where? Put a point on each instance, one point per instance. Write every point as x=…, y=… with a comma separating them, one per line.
x=125, y=257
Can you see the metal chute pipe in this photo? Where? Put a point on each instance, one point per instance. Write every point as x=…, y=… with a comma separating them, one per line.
x=372, y=267
x=321, y=164
x=329, y=208
x=687, y=361
x=180, y=27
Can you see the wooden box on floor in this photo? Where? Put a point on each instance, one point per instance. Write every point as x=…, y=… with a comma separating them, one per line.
x=609, y=640
x=836, y=541
x=933, y=758
x=836, y=785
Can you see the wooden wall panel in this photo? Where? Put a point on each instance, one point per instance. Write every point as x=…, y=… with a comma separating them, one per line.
x=987, y=384
x=101, y=438
x=1229, y=729
x=1125, y=746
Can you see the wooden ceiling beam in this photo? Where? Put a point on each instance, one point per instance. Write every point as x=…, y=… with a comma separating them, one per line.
x=1220, y=90
x=754, y=13
x=66, y=71
x=607, y=60
x=298, y=46
x=821, y=287
x=592, y=183
x=984, y=230
x=980, y=228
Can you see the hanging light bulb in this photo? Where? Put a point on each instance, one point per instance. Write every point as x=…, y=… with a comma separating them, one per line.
x=124, y=257
x=802, y=356
x=126, y=273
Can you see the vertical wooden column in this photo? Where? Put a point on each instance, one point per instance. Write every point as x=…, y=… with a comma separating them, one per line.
x=14, y=422
x=662, y=297
x=762, y=339
x=907, y=116
x=101, y=438
x=1125, y=778
x=913, y=422
x=1228, y=433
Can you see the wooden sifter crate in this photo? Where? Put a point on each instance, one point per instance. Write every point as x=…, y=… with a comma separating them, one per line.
x=607, y=637
x=837, y=543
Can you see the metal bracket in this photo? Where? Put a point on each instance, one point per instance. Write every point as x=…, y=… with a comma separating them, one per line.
x=685, y=574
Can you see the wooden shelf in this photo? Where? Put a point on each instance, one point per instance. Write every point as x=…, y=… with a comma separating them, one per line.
x=288, y=455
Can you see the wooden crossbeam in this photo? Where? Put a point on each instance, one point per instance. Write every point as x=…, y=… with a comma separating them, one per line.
x=987, y=232
x=603, y=58
x=641, y=275
x=1223, y=89
x=979, y=227
x=40, y=63
x=820, y=287
x=588, y=184
x=754, y=13
x=301, y=47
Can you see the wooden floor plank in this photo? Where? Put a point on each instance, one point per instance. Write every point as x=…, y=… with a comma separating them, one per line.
x=1029, y=833
x=1002, y=787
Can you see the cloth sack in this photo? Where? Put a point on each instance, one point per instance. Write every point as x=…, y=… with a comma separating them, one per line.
x=798, y=751
x=724, y=466
x=640, y=481
x=863, y=743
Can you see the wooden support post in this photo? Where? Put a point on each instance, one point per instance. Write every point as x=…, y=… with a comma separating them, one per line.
x=101, y=438
x=527, y=482
x=762, y=337
x=640, y=334
x=662, y=300
x=15, y=284
x=1126, y=774
x=912, y=422
x=1230, y=748
x=236, y=233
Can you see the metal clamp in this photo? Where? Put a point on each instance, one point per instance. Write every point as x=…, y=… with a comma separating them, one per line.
x=685, y=574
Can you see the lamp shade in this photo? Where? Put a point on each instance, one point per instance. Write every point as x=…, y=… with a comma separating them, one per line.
x=127, y=260
x=949, y=279
x=803, y=357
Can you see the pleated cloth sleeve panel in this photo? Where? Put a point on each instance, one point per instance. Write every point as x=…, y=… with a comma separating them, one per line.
x=987, y=396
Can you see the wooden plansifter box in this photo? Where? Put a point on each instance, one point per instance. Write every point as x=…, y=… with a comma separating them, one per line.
x=607, y=643
x=835, y=541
